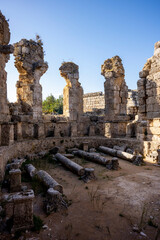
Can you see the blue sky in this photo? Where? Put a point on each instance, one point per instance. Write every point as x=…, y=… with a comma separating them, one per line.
x=86, y=32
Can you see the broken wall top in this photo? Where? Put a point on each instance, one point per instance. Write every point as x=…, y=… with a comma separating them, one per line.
x=152, y=65
x=70, y=72
x=4, y=30
x=113, y=68
x=29, y=57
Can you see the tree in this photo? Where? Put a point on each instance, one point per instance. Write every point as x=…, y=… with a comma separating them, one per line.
x=53, y=105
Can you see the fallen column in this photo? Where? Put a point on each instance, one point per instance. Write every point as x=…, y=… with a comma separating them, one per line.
x=136, y=159
x=48, y=181
x=92, y=157
x=31, y=170
x=107, y=150
x=126, y=156
x=74, y=167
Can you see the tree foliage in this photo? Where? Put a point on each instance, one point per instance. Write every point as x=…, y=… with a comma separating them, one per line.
x=53, y=105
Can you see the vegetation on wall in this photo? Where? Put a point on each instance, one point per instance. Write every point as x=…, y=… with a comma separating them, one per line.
x=53, y=105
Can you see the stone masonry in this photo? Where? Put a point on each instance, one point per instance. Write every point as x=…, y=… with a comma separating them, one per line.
x=149, y=102
x=93, y=102
x=29, y=61
x=116, y=90
x=72, y=92
x=5, y=50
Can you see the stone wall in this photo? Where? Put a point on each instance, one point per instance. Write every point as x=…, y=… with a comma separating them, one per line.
x=93, y=102
x=149, y=101
x=5, y=50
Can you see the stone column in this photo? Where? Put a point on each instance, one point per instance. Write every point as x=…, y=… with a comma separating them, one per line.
x=74, y=130
x=5, y=50
x=116, y=90
x=11, y=134
x=92, y=130
x=29, y=61
x=72, y=92
x=19, y=130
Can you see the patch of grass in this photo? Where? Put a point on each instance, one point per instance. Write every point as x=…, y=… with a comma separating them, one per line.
x=24, y=163
x=97, y=199
x=38, y=223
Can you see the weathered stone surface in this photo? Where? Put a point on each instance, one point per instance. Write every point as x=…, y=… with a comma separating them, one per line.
x=93, y=102
x=73, y=92
x=21, y=209
x=15, y=180
x=116, y=90
x=149, y=98
x=31, y=170
x=54, y=201
x=29, y=61
x=74, y=167
x=5, y=49
x=48, y=181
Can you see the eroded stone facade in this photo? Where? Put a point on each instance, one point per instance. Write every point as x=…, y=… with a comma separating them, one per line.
x=5, y=50
x=116, y=90
x=29, y=61
x=72, y=92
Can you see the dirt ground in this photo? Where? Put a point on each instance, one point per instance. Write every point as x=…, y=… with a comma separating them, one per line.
x=106, y=208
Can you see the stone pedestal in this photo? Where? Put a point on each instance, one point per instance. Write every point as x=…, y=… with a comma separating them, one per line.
x=21, y=209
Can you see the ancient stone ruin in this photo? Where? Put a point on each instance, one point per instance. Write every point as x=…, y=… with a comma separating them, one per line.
x=122, y=123
x=72, y=92
x=116, y=90
x=29, y=61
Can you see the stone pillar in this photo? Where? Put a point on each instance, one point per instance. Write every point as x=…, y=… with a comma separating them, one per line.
x=158, y=156
x=116, y=90
x=72, y=92
x=11, y=134
x=92, y=130
x=29, y=61
x=19, y=131
x=74, y=130
x=15, y=180
x=108, y=130
x=5, y=50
